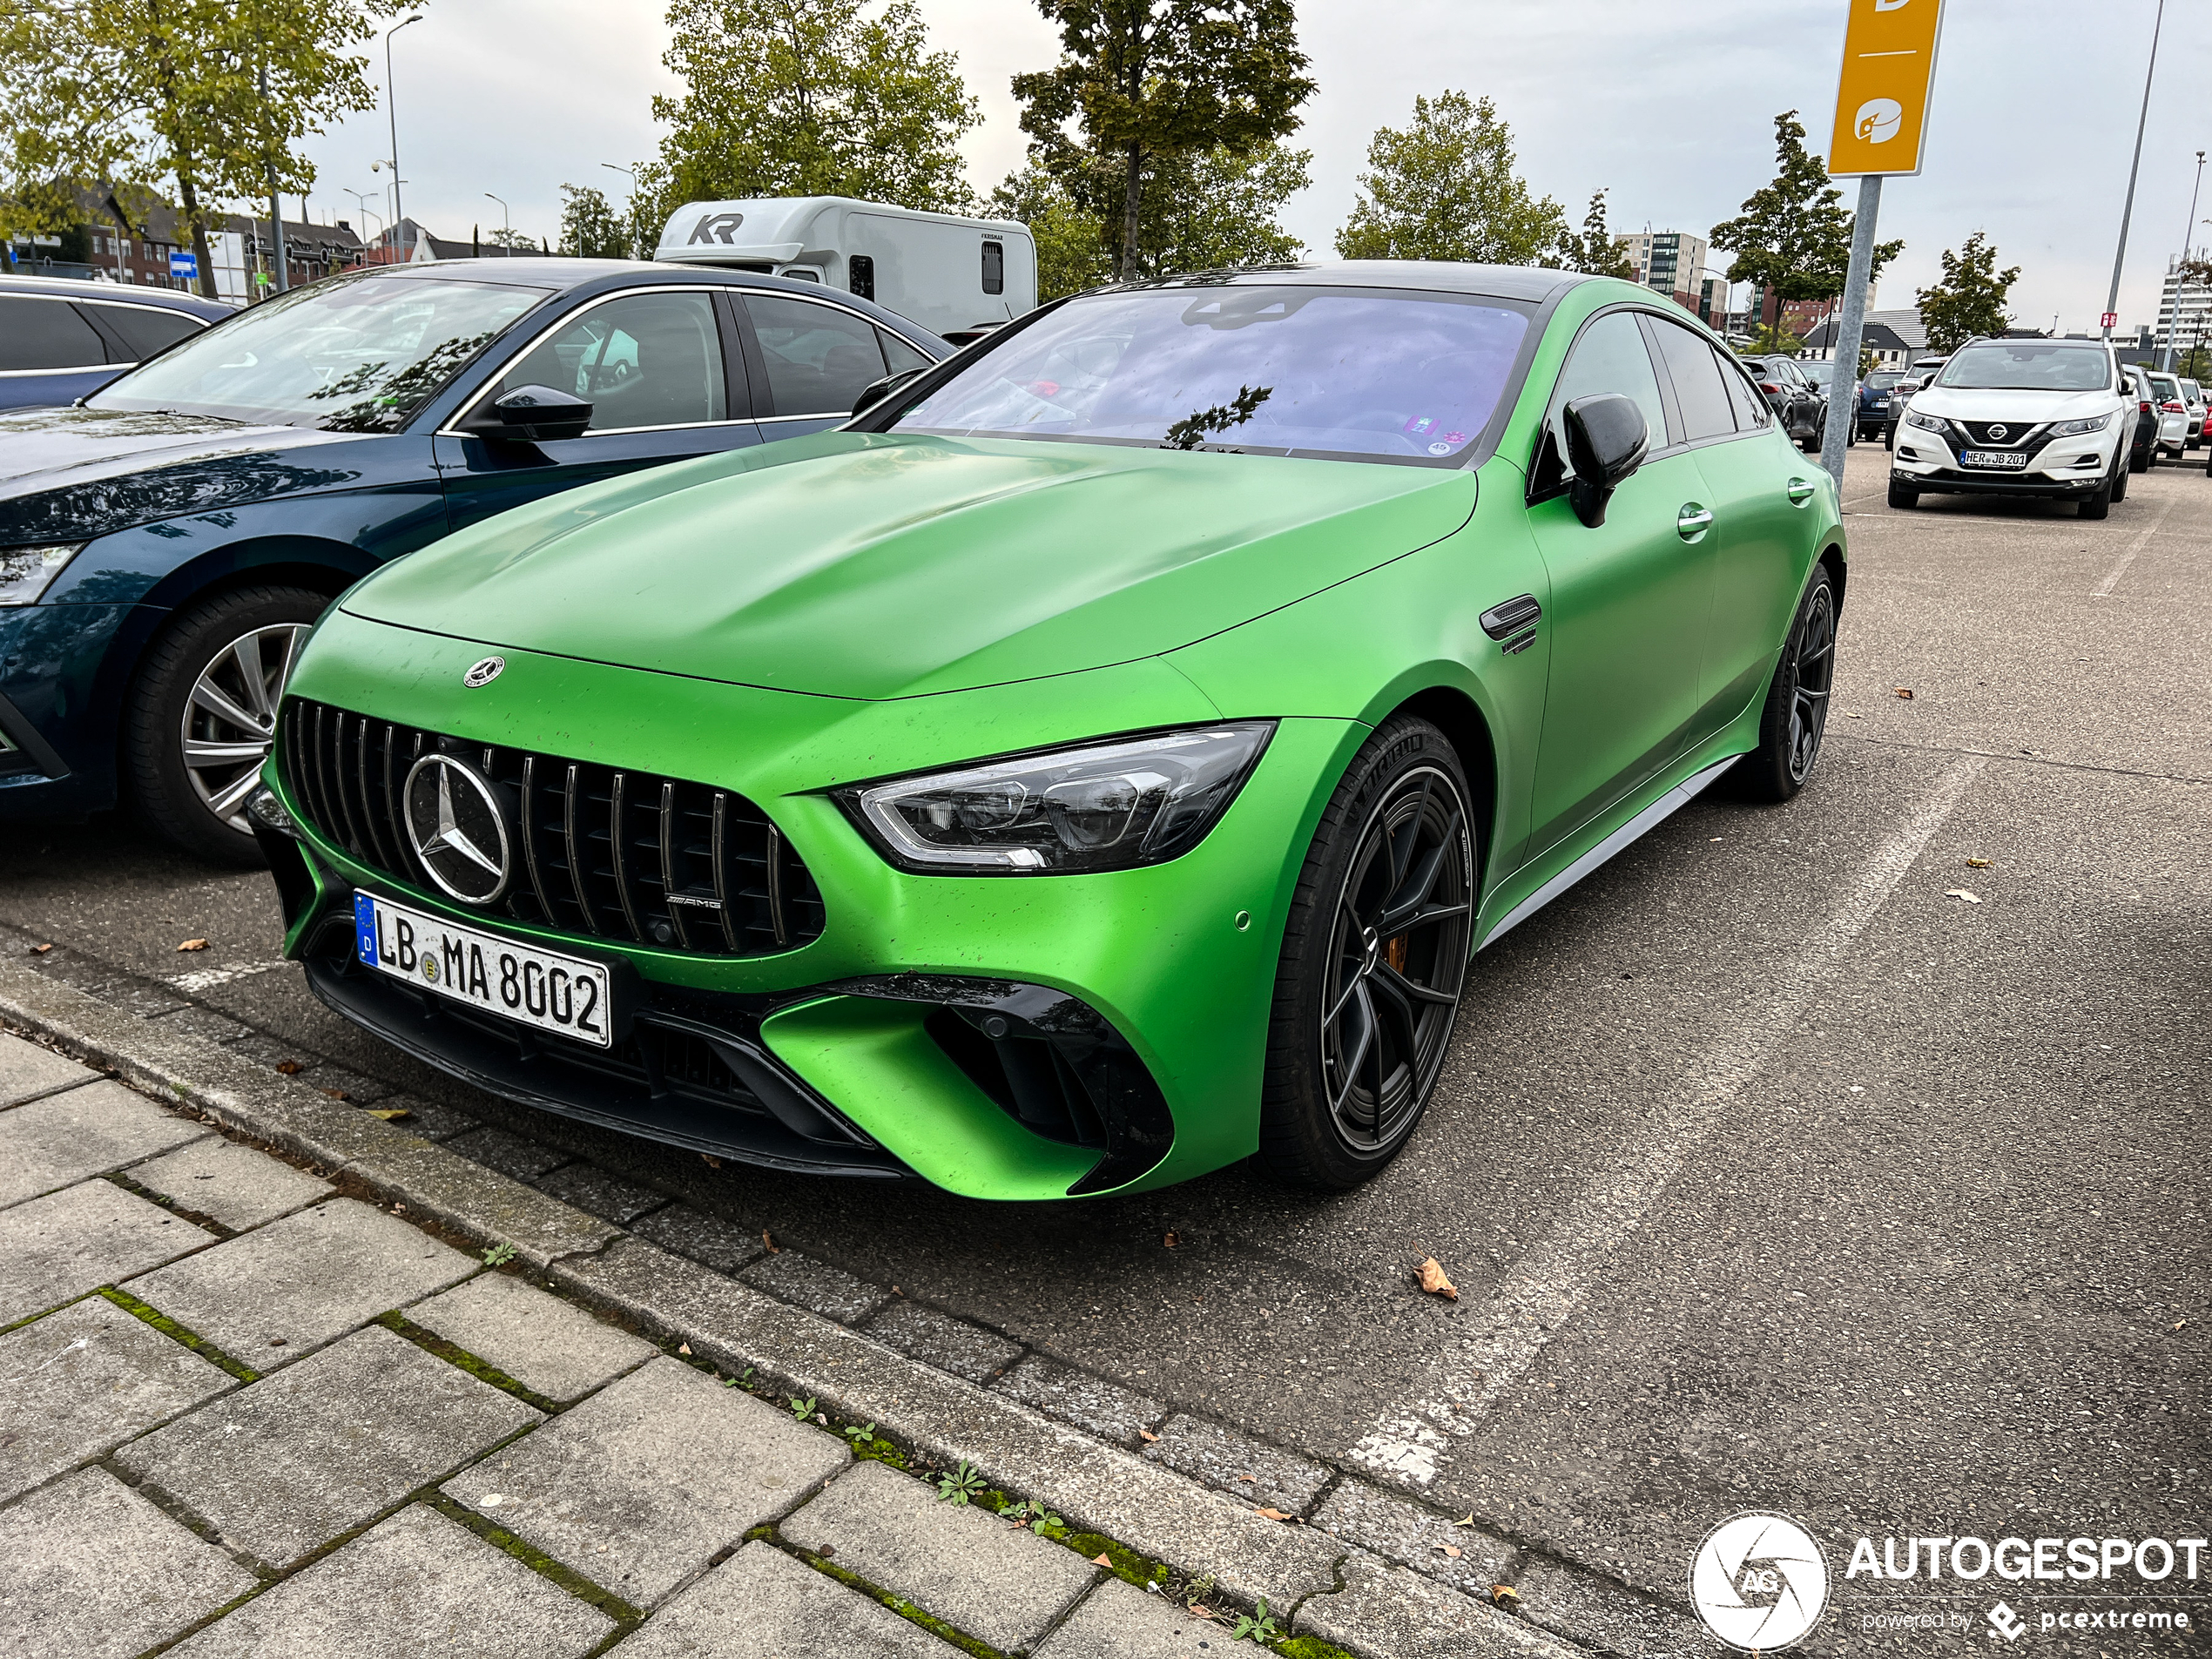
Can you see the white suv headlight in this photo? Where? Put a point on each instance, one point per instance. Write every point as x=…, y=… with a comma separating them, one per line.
x=2074, y=428
x=26, y=572
x=1932, y=422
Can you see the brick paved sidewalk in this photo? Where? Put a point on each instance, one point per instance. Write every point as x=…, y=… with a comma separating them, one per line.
x=246, y=1415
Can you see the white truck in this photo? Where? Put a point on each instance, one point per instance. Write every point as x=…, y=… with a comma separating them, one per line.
x=951, y=275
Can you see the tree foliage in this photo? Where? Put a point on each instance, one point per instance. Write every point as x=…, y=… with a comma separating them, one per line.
x=1596, y=250
x=211, y=96
x=1157, y=88
x=808, y=98
x=1445, y=188
x=1969, y=298
x=1793, y=234
x=590, y=229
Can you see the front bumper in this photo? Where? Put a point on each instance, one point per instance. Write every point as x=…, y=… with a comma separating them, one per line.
x=2062, y=467
x=1136, y=1002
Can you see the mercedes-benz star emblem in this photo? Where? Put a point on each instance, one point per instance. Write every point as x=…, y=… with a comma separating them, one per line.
x=484, y=672
x=459, y=832
x=1997, y=432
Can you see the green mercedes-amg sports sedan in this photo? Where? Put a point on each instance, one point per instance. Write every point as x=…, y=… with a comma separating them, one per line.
x=1096, y=762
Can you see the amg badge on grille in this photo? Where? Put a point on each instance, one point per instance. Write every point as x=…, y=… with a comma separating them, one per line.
x=459, y=831
x=484, y=672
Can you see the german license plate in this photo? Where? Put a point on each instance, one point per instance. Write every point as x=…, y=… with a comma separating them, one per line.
x=532, y=987
x=1997, y=458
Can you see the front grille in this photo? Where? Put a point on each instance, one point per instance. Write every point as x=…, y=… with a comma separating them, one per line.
x=605, y=853
x=2017, y=433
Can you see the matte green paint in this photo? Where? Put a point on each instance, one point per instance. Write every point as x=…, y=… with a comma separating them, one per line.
x=784, y=620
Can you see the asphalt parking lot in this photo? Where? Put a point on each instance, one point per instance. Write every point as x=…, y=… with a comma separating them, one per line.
x=1793, y=1161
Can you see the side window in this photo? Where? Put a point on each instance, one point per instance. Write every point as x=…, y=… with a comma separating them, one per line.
x=1610, y=357
x=818, y=358
x=900, y=355
x=147, y=329
x=46, y=334
x=1752, y=411
x=860, y=270
x=1699, y=393
x=643, y=360
x=994, y=267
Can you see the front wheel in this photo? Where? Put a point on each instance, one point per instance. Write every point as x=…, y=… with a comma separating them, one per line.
x=203, y=712
x=2119, y=478
x=1903, y=495
x=1375, y=955
x=1796, y=716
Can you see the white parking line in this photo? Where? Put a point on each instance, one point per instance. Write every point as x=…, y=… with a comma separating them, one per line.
x=1542, y=1292
x=208, y=978
x=2103, y=589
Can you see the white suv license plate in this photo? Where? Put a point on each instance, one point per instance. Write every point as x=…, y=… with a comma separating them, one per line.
x=1998, y=458
x=519, y=982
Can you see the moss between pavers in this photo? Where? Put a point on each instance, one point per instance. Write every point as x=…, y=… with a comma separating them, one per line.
x=169, y=1327
x=626, y=1617
x=454, y=1354
x=899, y=1605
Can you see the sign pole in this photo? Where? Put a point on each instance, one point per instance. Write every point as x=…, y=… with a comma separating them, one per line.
x=2127, y=207
x=1851, y=327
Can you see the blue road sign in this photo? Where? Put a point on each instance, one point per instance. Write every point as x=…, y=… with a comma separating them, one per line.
x=185, y=265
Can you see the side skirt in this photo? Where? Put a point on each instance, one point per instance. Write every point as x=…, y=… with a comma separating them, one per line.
x=1660, y=809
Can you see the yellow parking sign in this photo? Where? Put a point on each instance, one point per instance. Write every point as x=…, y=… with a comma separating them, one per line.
x=1882, y=96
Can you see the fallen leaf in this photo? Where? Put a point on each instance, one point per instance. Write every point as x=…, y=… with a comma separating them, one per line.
x=1501, y=1593
x=389, y=1114
x=1198, y=1612
x=337, y=1094
x=1146, y=1434
x=1434, y=1282
x=1249, y=1477
x=1904, y=692
x=826, y=1551
x=682, y=1347
x=770, y=1244
x=1452, y=1550
x=193, y=944
x=2179, y=1327
x=1170, y=1240
x=1275, y=1514
x=40, y=950
x=1960, y=892
x=1467, y=1520
x=1101, y=1560
x=1977, y=863
x=1854, y=717
x=713, y=1162
x=290, y=1068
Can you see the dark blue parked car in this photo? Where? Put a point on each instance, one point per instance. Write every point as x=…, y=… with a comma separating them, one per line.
x=61, y=338
x=166, y=545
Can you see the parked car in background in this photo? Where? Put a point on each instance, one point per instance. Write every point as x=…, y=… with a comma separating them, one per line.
x=1086, y=770
x=1874, y=394
x=2173, y=413
x=166, y=545
x=1798, y=405
x=2193, y=399
x=1924, y=369
x=2018, y=417
x=2143, y=448
x=60, y=338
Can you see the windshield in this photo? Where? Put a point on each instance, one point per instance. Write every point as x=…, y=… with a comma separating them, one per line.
x=2165, y=387
x=1261, y=370
x=358, y=354
x=2027, y=365
x=1817, y=372
x=1883, y=380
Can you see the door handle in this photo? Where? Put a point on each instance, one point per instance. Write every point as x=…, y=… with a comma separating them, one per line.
x=1693, y=521
x=1801, y=491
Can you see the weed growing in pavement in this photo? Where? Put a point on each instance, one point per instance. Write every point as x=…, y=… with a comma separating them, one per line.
x=960, y=1486
x=859, y=1433
x=499, y=1255
x=1255, y=1626
x=1034, y=1516
x=802, y=1409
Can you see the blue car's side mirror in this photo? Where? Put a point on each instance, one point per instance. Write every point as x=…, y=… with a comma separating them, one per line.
x=1607, y=439
x=530, y=414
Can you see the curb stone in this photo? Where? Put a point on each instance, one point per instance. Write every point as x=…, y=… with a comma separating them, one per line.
x=1362, y=1603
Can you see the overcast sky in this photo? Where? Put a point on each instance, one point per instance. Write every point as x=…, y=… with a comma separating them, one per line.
x=1668, y=106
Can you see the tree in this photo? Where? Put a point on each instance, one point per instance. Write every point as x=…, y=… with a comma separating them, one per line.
x=1071, y=243
x=590, y=229
x=1794, y=235
x=1445, y=188
x=808, y=98
x=1149, y=83
x=1595, y=249
x=1969, y=299
x=211, y=95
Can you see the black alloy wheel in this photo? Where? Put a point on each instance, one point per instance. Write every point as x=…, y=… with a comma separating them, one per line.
x=1374, y=960
x=1796, y=716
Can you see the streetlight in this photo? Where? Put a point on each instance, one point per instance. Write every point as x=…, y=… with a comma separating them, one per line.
x=506, y=226
x=361, y=198
x=391, y=107
x=2174, y=322
x=2128, y=208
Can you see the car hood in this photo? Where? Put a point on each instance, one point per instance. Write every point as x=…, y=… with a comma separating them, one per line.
x=871, y=566
x=68, y=475
x=2029, y=408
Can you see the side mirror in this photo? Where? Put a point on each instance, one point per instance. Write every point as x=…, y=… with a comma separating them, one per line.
x=1607, y=438
x=529, y=415
x=875, y=391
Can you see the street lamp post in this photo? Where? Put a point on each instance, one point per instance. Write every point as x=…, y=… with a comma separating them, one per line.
x=392, y=109
x=360, y=199
x=506, y=226
x=2173, y=319
x=2128, y=208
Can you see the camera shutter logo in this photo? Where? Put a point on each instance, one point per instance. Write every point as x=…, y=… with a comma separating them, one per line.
x=458, y=830
x=1759, y=1581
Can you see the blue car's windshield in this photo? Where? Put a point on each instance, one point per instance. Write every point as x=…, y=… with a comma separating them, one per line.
x=359, y=354
x=1353, y=373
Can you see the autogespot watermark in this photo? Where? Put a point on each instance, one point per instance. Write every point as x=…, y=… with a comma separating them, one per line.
x=1761, y=1583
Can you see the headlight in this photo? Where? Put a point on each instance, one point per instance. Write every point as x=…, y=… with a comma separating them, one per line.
x=26, y=572
x=1064, y=811
x=2072, y=429
x=1932, y=422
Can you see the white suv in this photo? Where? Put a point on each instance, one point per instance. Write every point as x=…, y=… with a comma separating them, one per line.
x=2018, y=417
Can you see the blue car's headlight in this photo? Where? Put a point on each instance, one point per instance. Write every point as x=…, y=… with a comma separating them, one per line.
x=2074, y=428
x=1108, y=805
x=26, y=572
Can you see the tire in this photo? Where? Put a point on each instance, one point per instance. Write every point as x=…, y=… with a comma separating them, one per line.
x=1345, y=993
x=2097, y=503
x=1796, y=716
x=2119, y=479
x=1903, y=495
x=2142, y=463
x=1889, y=438
x=197, y=804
